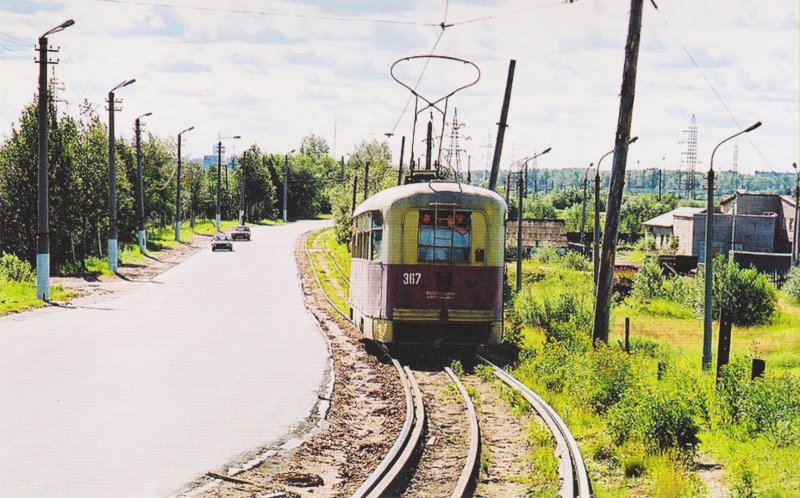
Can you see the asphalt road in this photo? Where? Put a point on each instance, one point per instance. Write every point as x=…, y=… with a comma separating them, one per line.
x=141, y=393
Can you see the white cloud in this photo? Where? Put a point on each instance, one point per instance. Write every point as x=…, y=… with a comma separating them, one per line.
x=237, y=68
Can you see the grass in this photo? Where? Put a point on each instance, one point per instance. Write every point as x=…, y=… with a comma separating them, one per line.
x=752, y=467
x=334, y=283
x=20, y=296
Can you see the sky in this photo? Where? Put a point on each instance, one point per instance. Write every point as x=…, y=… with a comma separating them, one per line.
x=276, y=71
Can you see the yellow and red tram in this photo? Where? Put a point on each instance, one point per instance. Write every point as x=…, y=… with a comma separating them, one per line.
x=427, y=265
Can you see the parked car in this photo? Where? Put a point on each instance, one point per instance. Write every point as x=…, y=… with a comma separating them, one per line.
x=241, y=232
x=221, y=242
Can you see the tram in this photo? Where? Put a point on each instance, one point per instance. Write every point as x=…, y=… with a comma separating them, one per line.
x=427, y=265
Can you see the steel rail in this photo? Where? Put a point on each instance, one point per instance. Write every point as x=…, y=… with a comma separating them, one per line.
x=335, y=265
x=572, y=470
x=385, y=476
x=470, y=471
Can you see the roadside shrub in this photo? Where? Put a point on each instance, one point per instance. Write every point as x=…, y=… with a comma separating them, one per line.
x=13, y=269
x=792, y=285
x=547, y=253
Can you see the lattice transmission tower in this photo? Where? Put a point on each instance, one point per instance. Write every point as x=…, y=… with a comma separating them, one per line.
x=690, y=158
x=453, y=152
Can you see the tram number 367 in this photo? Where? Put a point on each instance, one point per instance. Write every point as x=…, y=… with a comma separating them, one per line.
x=411, y=278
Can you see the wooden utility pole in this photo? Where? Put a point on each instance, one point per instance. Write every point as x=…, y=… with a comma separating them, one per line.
x=602, y=306
x=501, y=127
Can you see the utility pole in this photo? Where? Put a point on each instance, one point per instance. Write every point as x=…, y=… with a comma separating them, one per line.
x=355, y=189
x=243, y=174
x=583, y=215
x=796, y=240
x=602, y=307
x=178, y=190
x=501, y=126
x=43, y=215
x=400, y=166
x=286, y=183
x=219, y=178
x=113, y=261
x=142, y=234
x=366, y=180
x=519, y=233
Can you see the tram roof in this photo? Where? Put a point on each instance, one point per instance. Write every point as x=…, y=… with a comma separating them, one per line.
x=421, y=194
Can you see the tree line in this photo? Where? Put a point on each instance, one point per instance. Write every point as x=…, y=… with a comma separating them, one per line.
x=78, y=178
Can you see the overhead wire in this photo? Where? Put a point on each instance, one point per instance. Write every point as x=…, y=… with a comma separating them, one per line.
x=713, y=89
x=266, y=13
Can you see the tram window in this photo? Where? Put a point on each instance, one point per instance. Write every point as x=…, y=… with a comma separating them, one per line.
x=444, y=236
x=376, y=235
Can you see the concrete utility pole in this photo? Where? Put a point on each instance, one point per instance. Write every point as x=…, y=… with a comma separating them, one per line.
x=219, y=178
x=113, y=260
x=43, y=217
x=796, y=239
x=366, y=180
x=141, y=235
x=501, y=126
x=602, y=306
x=178, y=190
x=583, y=215
x=243, y=209
x=708, y=256
x=519, y=232
x=286, y=183
x=400, y=166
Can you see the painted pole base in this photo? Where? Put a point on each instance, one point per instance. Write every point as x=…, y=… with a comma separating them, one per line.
x=142, y=237
x=43, y=276
x=113, y=261
x=218, y=222
x=178, y=232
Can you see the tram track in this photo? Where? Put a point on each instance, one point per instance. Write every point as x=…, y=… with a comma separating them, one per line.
x=405, y=457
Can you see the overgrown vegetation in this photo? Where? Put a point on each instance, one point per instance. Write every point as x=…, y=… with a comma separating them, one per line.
x=642, y=417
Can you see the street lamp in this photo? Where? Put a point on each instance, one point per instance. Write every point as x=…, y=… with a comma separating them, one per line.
x=519, y=214
x=286, y=182
x=596, y=244
x=113, y=262
x=142, y=235
x=219, y=177
x=707, y=256
x=178, y=193
x=43, y=218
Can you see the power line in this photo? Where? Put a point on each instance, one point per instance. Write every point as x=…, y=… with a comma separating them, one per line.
x=266, y=13
x=713, y=89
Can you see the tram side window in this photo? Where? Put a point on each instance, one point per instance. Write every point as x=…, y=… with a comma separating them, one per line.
x=444, y=236
x=367, y=235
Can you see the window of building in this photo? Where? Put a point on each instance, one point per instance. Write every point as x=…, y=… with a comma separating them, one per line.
x=444, y=236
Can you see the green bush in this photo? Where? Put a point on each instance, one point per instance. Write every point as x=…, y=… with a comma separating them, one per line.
x=13, y=269
x=767, y=406
x=647, y=281
x=576, y=261
x=746, y=294
x=792, y=285
x=609, y=378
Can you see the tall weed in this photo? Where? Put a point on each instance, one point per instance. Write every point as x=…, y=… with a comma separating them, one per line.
x=13, y=269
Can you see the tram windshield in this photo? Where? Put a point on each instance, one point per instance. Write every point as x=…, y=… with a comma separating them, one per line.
x=444, y=236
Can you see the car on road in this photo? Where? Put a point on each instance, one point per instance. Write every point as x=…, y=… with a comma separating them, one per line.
x=241, y=232
x=221, y=242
